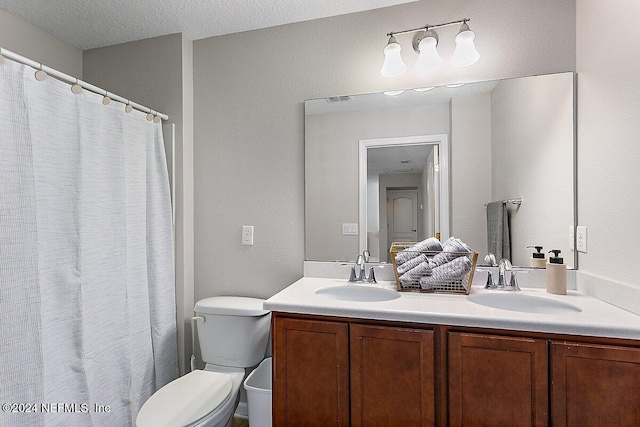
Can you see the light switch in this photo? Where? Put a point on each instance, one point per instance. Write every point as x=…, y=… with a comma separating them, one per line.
x=349, y=229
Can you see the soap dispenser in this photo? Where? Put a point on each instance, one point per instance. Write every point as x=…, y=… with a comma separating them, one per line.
x=537, y=259
x=556, y=282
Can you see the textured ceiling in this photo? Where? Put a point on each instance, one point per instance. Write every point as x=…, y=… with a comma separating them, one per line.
x=88, y=24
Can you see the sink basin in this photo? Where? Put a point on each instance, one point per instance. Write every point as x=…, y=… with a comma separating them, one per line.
x=361, y=293
x=523, y=303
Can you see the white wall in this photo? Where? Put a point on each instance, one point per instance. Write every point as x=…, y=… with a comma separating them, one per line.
x=608, y=137
x=158, y=73
x=249, y=116
x=532, y=150
x=471, y=163
x=331, y=174
x=24, y=39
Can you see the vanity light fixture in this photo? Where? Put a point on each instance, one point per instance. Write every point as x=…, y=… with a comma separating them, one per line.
x=394, y=92
x=424, y=89
x=393, y=64
x=425, y=43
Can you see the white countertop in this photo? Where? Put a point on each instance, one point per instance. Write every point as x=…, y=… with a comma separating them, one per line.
x=596, y=318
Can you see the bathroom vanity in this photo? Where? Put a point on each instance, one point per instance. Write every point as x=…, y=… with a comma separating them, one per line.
x=435, y=359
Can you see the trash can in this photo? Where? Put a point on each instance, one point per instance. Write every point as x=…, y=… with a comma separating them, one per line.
x=258, y=387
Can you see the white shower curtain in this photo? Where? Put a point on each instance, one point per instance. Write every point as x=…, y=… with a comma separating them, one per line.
x=87, y=299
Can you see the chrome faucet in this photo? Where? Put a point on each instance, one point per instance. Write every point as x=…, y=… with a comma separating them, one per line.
x=503, y=267
x=361, y=263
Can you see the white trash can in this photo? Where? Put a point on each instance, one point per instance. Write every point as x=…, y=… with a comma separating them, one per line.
x=258, y=386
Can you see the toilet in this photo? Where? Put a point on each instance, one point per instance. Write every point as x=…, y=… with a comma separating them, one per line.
x=233, y=334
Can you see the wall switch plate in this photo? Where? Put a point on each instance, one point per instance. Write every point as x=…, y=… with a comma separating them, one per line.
x=247, y=234
x=349, y=229
x=581, y=239
x=572, y=238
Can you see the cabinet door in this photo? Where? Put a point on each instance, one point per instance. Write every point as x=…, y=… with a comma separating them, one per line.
x=497, y=381
x=392, y=376
x=595, y=385
x=311, y=373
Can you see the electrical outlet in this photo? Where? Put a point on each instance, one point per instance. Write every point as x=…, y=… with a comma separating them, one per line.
x=247, y=234
x=572, y=238
x=581, y=240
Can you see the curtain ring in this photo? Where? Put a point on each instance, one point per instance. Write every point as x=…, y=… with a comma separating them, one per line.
x=41, y=75
x=149, y=116
x=76, y=88
x=128, y=108
x=106, y=100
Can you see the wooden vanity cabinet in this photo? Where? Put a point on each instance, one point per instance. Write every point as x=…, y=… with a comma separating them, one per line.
x=392, y=376
x=310, y=372
x=337, y=373
x=594, y=385
x=497, y=380
x=347, y=372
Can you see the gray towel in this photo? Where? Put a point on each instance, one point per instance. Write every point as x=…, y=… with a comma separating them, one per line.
x=430, y=244
x=454, y=270
x=414, y=262
x=450, y=251
x=498, y=239
x=413, y=276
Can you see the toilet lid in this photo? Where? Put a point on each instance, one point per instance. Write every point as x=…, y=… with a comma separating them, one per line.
x=185, y=400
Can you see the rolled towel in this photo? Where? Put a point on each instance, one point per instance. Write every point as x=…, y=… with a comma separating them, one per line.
x=413, y=276
x=450, y=251
x=453, y=270
x=430, y=244
x=413, y=262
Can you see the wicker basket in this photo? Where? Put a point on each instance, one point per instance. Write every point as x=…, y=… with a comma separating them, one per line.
x=459, y=286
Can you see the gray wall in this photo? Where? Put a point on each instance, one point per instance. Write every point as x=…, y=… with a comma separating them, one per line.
x=249, y=116
x=24, y=39
x=608, y=135
x=471, y=169
x=331, y=169
x=532, y=150
x=158, y=73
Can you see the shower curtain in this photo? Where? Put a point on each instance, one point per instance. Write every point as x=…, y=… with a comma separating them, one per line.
x=87, y=299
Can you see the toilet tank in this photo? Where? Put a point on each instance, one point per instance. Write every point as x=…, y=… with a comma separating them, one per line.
x=234, y=332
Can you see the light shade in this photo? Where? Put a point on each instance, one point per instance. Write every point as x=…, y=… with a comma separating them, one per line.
x=428, y=59
x=465, y=53
x=393, y=64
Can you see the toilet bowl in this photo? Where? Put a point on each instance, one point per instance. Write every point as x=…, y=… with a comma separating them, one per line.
x=232, y=331
x=202, y=398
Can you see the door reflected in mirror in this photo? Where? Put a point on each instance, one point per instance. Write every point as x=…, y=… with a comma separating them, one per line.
x=403, y=192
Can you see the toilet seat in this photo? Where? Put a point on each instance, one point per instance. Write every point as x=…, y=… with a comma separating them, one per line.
x=186, y=400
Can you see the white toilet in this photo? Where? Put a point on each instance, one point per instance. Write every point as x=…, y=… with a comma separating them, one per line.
x=233, y=334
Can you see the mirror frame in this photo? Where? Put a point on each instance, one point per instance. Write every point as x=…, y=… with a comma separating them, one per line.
x=442, y=141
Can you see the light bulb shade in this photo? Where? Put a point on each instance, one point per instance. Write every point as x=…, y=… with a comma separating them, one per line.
x=393, y=64
x=465, y=53
x=429, y=59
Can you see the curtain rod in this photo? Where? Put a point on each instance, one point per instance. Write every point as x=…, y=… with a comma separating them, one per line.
x=72, y=80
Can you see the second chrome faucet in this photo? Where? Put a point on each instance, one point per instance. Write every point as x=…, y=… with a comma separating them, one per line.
x=503, y=267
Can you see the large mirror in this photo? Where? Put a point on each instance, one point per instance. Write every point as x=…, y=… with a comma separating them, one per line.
x=488, y=162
